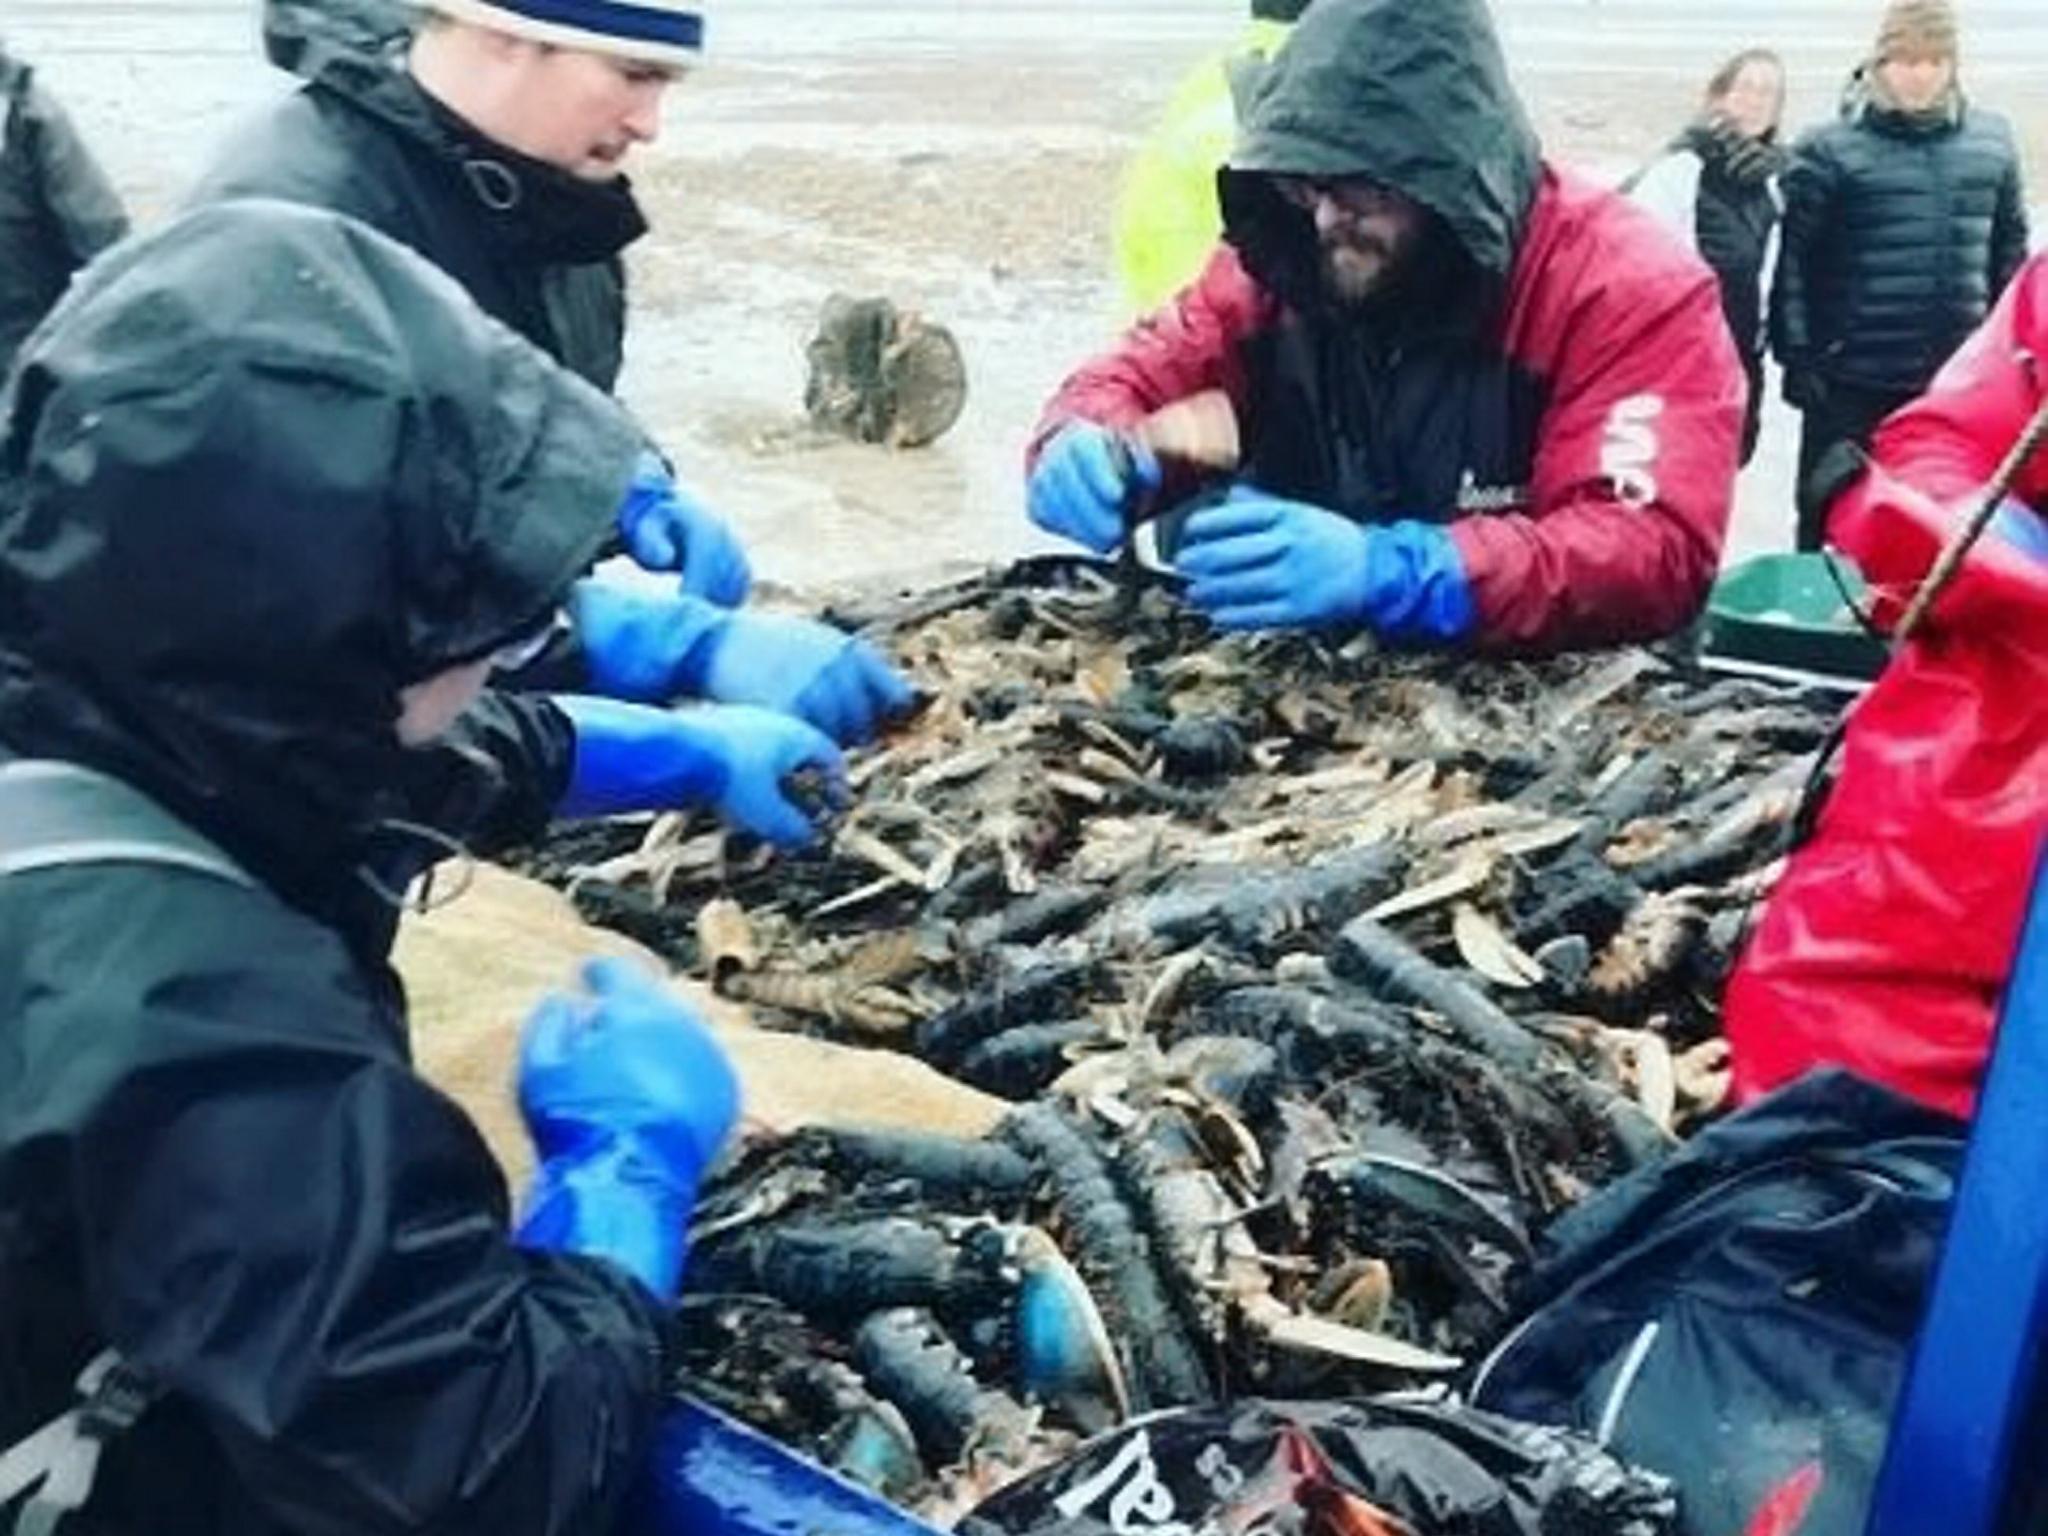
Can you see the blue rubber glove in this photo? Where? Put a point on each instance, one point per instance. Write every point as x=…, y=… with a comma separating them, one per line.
x=654, y=648
x=1083, y=480
x=667, y=529
x=627, y=1098
x=836, y=681
x=1257, y=561
x=641, y=645
x=633, y=757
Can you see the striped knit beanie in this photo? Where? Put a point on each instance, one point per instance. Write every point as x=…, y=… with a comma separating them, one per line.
x=647, y=31
x=1918, y=27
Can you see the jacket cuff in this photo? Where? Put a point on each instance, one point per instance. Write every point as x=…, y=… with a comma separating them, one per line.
x=1475, y=541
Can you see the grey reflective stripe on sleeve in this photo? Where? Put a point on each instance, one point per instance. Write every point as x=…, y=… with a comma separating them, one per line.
x=54, y=815
x=1624, y=1383
x=109, y=851
x=59, y=1461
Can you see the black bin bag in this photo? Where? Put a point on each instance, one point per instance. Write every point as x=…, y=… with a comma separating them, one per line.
x=1395, y=1466
x=1740, y=1316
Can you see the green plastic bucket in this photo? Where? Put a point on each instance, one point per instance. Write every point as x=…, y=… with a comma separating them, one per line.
x=1793, y=614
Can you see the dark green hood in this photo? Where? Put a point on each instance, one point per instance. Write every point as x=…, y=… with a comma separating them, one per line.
x=260, y=470
x=353, y=46
x=1412, y=93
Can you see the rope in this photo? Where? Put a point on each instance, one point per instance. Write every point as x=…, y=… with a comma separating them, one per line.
x=1939, y=576
x=1967, y=533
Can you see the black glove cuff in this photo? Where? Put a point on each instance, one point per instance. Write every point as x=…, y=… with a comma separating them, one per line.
x=1839, y=467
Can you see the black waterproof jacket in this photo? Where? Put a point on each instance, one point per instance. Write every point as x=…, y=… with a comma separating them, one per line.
x=57, y=210
x=1900, y=232
x=537, y=248
x=261, y=470
x=1735, y=216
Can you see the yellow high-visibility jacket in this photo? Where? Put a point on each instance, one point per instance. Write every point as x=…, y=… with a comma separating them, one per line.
x=1167, y=219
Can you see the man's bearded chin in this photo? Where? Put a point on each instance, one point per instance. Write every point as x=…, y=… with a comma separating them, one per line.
x=1350, y=286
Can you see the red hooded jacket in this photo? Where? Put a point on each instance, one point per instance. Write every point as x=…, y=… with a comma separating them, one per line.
x=1888, y=942
x=1583, y=445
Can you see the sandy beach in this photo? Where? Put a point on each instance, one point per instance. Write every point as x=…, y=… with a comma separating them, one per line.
x=961, y=158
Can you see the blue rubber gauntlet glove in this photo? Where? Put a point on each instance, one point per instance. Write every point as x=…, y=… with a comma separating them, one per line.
x=642, y=645
x=834, y=680
x=667, y=529
x=1256, y=561
x=627, y=1098
x=653, y=648
x=1084, y=478
x=737, y=759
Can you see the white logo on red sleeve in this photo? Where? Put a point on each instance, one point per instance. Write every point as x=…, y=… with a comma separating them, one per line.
x=1628, y=452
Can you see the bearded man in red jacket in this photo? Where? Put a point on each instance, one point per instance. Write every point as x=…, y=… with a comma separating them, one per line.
x=1480, y=401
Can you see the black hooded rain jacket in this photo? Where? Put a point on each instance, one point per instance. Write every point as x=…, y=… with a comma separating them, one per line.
x=260, y=471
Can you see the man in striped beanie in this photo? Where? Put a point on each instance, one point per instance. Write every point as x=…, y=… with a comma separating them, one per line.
x=574, y=83
x=491, y=136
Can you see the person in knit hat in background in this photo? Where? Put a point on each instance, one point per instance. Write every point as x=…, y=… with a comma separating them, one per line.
x=1167, y=218
x=1715, y=186
x=1904, y=221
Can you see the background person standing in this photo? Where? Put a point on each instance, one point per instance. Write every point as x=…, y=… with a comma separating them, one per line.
x=1167, y=217
x=1716, y=188
x=1904, y=220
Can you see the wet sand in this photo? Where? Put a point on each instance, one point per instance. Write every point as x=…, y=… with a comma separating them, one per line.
x=961, y=158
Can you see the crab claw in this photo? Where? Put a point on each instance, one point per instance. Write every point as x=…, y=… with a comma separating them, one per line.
x=1064, y=1356
x=875, y=1449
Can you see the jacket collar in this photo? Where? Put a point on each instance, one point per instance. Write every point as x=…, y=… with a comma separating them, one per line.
x=534, y=209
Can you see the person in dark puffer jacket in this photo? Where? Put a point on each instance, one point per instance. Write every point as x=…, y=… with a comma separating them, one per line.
x=57, y=209
x=1904, y=221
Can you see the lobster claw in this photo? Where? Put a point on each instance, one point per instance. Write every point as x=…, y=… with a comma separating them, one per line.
x=1064, y=1355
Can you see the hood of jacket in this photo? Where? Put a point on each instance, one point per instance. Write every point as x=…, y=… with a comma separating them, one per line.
x=1414, y=96
x=356, y=49
x=261, y=470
